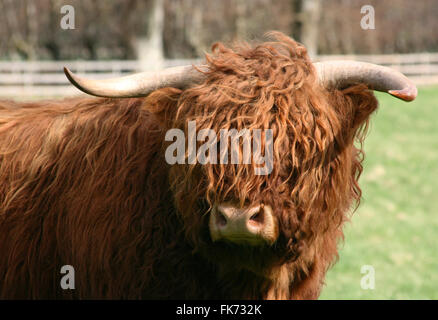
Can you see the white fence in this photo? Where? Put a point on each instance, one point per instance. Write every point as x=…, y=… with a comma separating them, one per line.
x=25, y=79
x=42, y=79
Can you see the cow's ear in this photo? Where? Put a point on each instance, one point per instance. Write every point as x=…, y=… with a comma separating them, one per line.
x=354, y=105
x=163, y=103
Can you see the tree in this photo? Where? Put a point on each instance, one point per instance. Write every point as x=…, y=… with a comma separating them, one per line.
x=306, y=25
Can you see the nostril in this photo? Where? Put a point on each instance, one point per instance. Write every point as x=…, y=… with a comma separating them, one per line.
x=221, y=221
x=257, y=218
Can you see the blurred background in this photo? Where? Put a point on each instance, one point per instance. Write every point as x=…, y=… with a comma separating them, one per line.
x=112, y=37
x=395, y=228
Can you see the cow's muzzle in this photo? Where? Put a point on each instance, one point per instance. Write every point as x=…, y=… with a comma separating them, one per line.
x=254, y=225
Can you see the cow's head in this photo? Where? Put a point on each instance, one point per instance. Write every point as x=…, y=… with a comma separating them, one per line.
x=315, y=111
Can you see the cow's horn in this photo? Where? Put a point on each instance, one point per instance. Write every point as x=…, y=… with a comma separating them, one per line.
x=139, y=84
x=331, y=74
x=341, y=74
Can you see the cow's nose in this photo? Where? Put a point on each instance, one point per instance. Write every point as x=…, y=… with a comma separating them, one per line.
x=251, y=225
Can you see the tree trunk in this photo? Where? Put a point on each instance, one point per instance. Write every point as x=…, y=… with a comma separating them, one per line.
x=150, y=49
x=307, y=13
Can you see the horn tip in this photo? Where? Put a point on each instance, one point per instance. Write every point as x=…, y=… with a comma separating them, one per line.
x=69, y=75
x=406, y=94
x=76, y=81
x=67, y=72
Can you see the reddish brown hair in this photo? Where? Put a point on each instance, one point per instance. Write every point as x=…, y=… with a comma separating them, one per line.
x=84, y=182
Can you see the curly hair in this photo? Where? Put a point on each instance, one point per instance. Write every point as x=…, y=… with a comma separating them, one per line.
x=84, y=182
x=314, y=181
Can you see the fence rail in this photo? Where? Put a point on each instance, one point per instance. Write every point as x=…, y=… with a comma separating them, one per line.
x=42, y=79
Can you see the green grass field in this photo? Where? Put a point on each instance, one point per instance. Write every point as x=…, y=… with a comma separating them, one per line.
x=395, y=228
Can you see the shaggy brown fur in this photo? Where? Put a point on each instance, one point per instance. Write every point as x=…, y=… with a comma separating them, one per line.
x=84, y=182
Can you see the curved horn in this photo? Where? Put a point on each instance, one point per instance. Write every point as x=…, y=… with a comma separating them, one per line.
x=340, y=74
x=331, y=74
x=137, y=85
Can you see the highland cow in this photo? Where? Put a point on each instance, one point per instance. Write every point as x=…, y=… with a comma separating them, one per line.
x=84, y=182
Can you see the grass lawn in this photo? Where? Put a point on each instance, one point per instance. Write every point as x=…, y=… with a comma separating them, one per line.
x=395, y=228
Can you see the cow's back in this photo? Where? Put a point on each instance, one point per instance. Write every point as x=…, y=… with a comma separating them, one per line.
x=75, y=184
